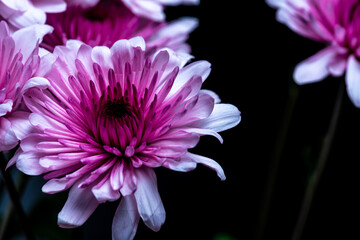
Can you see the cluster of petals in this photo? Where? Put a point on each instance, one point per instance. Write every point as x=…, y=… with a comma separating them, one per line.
x=19, y=62
x=23, y=13
x=111, y=115
x=110, y=21
x=335, y=23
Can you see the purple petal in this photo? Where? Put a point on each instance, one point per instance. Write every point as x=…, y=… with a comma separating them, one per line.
x=8, y=139
x=148, y=200
x=80, y=204
x=20, y=124
x=353, y=80
x=209, y=163
x=315, y=68
x=126, y=219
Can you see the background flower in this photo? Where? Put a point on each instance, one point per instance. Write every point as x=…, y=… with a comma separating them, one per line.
x=108, y=22
x=22, y=13
x=335, y=23
x=109, y=118
x=19, y=61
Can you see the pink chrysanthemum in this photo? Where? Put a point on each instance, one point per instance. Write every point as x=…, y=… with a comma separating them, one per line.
x=334, y=22
x=108, y=22
x=23, y=13
x=19, y=60
x=109, y=117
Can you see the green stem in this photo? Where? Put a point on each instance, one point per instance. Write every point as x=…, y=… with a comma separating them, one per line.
x=15, y=199
x=323, y=156
x=293, y=94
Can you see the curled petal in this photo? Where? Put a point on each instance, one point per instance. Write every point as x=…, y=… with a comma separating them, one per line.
x=353, y=80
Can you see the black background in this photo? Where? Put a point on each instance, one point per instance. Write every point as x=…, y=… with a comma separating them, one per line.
x=253, y=57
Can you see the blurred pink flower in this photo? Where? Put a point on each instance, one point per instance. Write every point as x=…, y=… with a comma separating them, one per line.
x=108, y=22
x=153, y=9
x=19, y=61
x=22, y=13
x=112, y=115
x=335, y=23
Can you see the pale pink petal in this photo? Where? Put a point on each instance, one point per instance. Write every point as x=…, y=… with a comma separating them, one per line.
x=209, y=163
x=28, y=162
x=30, y=17
x=148, y=199
x=353, y=80
x=6, y=107
x=18, y=5
x=33, y=35
x=144, y=8
x=201, y=68
x=338, y=65
x=50, y=6
x=223, y=117
x=315, y=68
x=38, y=82
x=8, y=139
x=57, y=185
x=80, y=204
x=104, y=192
x=126, y=219
x=20, y=124
x=184, y=164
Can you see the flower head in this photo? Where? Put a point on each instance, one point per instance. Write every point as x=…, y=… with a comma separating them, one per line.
x=112, y=115
x=108, y=22
x=334, y=22
x=19, y=60
x=22, y=13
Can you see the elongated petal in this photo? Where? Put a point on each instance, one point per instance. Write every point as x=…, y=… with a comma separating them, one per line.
x=28, y=162
x=80, y=204
x=148, y=199
x=126, y=219
x=353, y=80
x=315, y=68
x=209, y=163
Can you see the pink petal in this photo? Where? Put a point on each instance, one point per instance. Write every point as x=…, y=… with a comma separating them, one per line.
x=6, y=107
x=148, y=199
x=8, y=139
x=28, y=163
x=33, y=35
x=201, y=68
x=126, y=219
x=20, y=124
x=315, y=68
x=52, y=6
x=223, y=117
x=103, y=192
x=353, y=80
x=209, y=163
x=80, y=204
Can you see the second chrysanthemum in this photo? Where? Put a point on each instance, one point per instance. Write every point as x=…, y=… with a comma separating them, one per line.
x=109, y=117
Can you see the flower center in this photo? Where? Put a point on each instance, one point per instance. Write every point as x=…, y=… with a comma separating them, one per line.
x=117, y=109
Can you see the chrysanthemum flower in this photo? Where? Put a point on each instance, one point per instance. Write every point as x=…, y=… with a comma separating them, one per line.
x=108, y=22
x=154, y=9
x=335, y=23
x=22, y=13
x=19, y=60
x=109, y=118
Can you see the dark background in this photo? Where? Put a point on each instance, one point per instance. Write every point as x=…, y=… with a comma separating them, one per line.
x=253, y=57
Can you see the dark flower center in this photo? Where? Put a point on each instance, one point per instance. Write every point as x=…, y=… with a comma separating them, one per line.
x=117, y=109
